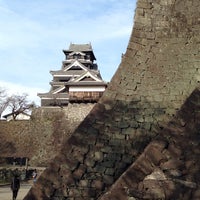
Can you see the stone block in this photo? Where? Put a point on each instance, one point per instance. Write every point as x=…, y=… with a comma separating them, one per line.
x=108, y=164
x=196, y=194
x=132, y=177
x=89, y=162
x=100, y=169
x=78, y=173
x=88, y=193
x=115, y=142
x=106, y=149
x=123, y=124
x=108, y=180
x=150, y=35
x=97, y=184
x=143, y=165
x=119, y=136
x=73, y=193
x=147, y=126
x=154, y=155
x=128, y=131
x=149, y=118
x=144, y=4
x=139, y=118
x=134, y=124
x=84, y=183
x=98, y=156
x=153, y=190
x=159, y=144
x=139, y=12
x=172, y=164
x=71, y=163
x=110, y=171
x=112, y=156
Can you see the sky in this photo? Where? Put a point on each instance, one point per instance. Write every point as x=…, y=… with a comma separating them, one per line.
x=34, y=33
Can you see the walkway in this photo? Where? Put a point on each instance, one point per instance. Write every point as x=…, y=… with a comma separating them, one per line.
x=6, y=193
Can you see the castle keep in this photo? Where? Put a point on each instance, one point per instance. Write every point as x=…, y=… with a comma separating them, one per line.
x=79, y=79
x=141, y=140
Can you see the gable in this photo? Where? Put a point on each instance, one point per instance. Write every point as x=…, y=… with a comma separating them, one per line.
x=88, y=76
x=58, y=90
x=76, y=65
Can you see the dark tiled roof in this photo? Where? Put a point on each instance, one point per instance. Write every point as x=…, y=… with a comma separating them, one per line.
x=83, y=61
x=10, y=114
x=80, y=47
x=69, y=73
x=50, y=95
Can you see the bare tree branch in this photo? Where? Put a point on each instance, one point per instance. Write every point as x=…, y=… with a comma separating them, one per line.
x=19, y=104
x=3, y=100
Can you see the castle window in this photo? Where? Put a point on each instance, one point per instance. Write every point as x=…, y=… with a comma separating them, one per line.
x=77, y=56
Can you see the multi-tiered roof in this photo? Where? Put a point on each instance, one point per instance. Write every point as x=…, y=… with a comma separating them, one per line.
x=78, y=80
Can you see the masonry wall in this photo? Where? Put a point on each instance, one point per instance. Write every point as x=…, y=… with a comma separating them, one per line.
x=40, y=138
x=168, y=168
x=158, y=72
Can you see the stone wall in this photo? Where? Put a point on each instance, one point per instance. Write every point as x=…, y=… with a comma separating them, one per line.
x=14, y=135
x=40, y=138
x=169, y=166
x=159, y=70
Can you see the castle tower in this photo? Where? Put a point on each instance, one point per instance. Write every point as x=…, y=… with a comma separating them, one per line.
x=78, y=80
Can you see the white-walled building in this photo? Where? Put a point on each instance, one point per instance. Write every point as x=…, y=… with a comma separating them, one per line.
x=79, y=79
x=20, y=116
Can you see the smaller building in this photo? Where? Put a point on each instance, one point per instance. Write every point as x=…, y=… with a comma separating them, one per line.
x=78, y=80
x=20, y=116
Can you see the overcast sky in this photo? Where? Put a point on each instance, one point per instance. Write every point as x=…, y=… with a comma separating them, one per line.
x=34, y=33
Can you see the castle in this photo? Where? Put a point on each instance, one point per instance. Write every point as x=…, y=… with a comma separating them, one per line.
x=78, y=80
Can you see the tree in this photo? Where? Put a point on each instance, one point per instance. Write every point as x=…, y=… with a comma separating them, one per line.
x=3, y=101
x=19, y=104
